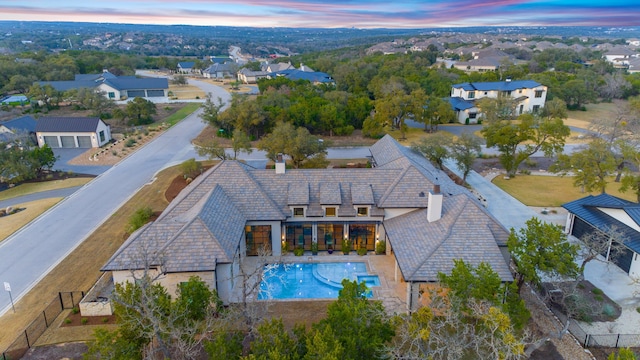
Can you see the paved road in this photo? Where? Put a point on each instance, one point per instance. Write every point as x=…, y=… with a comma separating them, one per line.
x=33, y=251
x=38, y=196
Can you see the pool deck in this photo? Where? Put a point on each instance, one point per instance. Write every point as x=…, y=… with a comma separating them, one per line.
x=391, y=292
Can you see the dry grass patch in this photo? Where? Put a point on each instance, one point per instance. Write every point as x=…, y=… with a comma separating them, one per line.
x=30, y=188
x=413, y=135
x=186, y=92
x=550, y=191
x=12, y=223
x=80, y=269
x=596, y=111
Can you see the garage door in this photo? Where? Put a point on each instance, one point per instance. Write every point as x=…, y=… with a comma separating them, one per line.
x=84, y=141
x=68, y=141
x=52, y=141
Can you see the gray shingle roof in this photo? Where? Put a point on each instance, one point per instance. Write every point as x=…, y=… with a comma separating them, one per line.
x=67, y=124
x=22, y=123
x=205, y=223
x=424, y=249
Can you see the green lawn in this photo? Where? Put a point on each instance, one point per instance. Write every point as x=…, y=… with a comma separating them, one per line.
x=182, y=113
x=29, y=188
x=550, y=191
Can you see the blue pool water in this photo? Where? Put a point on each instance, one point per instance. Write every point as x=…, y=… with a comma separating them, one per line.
x=312, y=281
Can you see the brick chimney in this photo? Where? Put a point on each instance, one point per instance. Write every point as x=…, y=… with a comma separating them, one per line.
x=280, y=164
x=434, y=204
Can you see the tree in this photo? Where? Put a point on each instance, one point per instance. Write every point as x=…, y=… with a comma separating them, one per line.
x=212, y=149
x=140, y=111
x=464, y=151
x=541, y=248
x=435, y=148
x=89, y=99
x=298, y=144
x=240, y=142
x=42, y=159
x=436, y=111
x=608, y=243
x=211, y=115
x=112, y=345
x=517, y=141
x=360, y=325
x=454, y=328
x=589, y=167
x=623, y=354
x=396, y=106
x=179, y=80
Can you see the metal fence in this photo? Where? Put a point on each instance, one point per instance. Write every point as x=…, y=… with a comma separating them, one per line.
x=22, y=344
x=597, y=340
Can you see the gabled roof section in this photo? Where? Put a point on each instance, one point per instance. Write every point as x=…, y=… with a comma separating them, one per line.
x=67, y=124
x=498, y=85
x=588, y=209
x=362, y=194
x=298, y=193
x=24, y=123
x=424, y=249
x=330, y=193
x=458, y=103
x=186, y=64
x=239, y=185
x=132, y=83
x=410, y=190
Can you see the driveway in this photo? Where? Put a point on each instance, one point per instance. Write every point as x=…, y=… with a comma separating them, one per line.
x=33, y=251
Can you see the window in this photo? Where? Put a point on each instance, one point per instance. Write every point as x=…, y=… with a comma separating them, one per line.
x=520, y=91
x=298, y=235
x=539, y=93
x=330, y=211
x=471, y=94
x=329, y=235
x=363, y=211
x=485, y=93
x=298, y=212
x=112, y=95
x=536, y=108
x=258, y=239
x=506, y=93
x=473, y=115
x=101, y=136
x=362, y=235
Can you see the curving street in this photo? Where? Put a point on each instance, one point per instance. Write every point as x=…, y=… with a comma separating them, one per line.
x=29, y=254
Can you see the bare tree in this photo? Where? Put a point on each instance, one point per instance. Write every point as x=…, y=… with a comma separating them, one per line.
x=608, y=242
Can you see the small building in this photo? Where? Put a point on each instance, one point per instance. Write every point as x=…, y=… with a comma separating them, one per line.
x=9, y=129
x=219, y=71
x=185, y=67
x=601, y=213
x=247, y=76
x=466, y=111
x=130, y=87
x=72, y=132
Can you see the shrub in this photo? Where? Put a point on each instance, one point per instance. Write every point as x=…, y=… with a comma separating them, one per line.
x=84, y=321
x=75, y=310
x=381, y=247
x=298, y=251
x=609, y=310
x=191, y=168
x=599, y=298
x=105, y=320
x=114, y=152
x=362, y=251
x=130, y=142
x=67, y=321
x=139, y=218
x=597, y=291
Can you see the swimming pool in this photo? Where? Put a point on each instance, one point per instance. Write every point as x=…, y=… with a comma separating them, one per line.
x=312, y=280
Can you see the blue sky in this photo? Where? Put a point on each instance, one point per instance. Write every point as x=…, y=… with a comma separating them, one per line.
x=331, y=13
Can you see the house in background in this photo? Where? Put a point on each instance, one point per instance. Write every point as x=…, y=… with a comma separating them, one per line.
x=233, y=210
x=185, y=67
x=529, y=96
x=72, y=132
x=601, y=213
x=620, y=56
x=220, y=71
x=117, y=87
x=9, y=129
x=248, y=76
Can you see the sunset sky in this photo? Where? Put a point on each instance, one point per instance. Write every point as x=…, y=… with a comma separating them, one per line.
x=330, y=13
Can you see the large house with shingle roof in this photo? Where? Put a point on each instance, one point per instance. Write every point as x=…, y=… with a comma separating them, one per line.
x=233, y=210
x=529, y=96
x=602, y=213
x=72, y=132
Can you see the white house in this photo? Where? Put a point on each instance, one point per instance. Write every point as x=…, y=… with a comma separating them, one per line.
x=231, y=211
x=72, y=132
x=529, y=95
x=600, y=213
x=129, y=87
